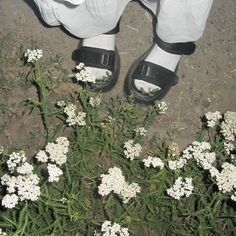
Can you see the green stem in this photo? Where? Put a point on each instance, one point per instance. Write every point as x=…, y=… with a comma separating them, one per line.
x=42, y=100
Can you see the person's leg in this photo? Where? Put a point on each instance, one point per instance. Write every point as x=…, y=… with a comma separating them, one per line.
x=103, y=41
x=179, y=23
x=93, y=21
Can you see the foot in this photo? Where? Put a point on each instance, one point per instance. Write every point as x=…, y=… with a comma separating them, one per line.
x=162, y=58
x=103, y=41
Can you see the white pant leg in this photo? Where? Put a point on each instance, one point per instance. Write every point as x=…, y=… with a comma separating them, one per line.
x=182, y=20
x=46, y=8
x=90, y=18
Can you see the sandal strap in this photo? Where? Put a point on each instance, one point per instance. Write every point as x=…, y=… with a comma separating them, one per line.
x=95, y=57
x=155, y=74
x=186, y=48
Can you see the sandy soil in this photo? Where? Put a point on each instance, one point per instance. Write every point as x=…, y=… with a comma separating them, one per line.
x=206, y=78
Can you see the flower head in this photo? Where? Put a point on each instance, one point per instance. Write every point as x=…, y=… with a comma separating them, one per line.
x=109, y=229
x=228, y=126
x=54, y=173
x=74, y=117
x=115, y=182
x=10, y=200
x=212, y=118
x=33, y=55
x=84, y=74
x=132, y=150
x=153, y=161
x=181, y=188
x=140, y=131
x=94, y=101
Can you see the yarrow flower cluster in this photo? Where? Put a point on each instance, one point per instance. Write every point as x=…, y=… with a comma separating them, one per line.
x=84, y=74
x=54, y=173
x=226, y=179
x=140, y=131
x=115, y=182
x=162, y=106
x=213, y=118
x=61, y=103
x=177, y=164
x=56, y=153
x=94, y=101
x=154, y=162
x=74, y=117
x=182, y=187
x=200, y=152
x=22, y=183
x=109, y=229
x=228, y=126
x=229, y=147
x=33, y=55
x=132, y=150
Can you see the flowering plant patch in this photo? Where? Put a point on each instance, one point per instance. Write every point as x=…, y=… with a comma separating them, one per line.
x=106, y=176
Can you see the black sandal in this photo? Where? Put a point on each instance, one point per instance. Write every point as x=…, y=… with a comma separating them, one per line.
x=103, y=59
x=151, y=73
x=154, y=74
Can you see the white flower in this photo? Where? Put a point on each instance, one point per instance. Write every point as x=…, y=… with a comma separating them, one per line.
x=226, y=179
x=94, y=102
x=200, y=152
x=54, y=173
x=196, y=148
x=33, y=55
x=228, y=126
x=177, y=164
x=24, y=169
x=212, y=118
x=84, y=74
x=60, y=103
x=162, y=107
x=80, y=66
x=24, y=184
x=15, y=159
x=10, y=182
x=129, y=191
x=213, y=171
x=55, y=152
x=70, y=110
x=233, y=197
x=73, y=117
x=154, y=161
x=27, y=187
x=132, y=150
x=10, y=200
x=228, y=147
x=181, y=188
x=64, y=200
x=206, y=160
x=42, y=156
x=115, y=182
x=109, y=229
x=140, y=131
x=64, y=142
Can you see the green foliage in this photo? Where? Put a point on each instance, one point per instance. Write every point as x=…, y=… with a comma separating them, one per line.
x=73, y=206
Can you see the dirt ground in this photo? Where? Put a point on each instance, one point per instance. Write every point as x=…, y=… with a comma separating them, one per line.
x=206, y=78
